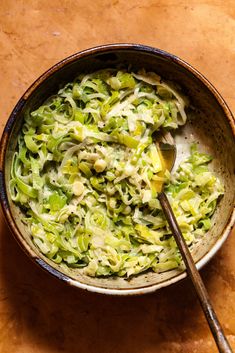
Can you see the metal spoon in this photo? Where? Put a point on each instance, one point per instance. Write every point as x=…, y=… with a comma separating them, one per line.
x=168, y=151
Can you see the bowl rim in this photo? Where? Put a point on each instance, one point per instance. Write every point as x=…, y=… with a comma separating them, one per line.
x=5, y=139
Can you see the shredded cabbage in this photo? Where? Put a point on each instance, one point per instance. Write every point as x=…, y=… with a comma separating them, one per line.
x=87, y=171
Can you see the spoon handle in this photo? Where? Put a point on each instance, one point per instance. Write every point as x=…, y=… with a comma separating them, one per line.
x=216, y=329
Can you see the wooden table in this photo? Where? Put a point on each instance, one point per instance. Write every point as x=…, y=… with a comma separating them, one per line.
x=39, y=314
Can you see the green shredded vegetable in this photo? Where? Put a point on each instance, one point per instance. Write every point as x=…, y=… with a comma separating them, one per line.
x=87, y=171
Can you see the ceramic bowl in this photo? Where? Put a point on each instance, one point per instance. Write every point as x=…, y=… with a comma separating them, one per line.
x=211, y=125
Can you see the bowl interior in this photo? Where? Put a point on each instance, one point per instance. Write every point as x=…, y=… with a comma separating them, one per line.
x=207, y=125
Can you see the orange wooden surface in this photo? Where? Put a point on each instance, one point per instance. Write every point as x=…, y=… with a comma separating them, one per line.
x=39, y=314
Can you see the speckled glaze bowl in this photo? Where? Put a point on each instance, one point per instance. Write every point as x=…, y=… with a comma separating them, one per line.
x=211, y=124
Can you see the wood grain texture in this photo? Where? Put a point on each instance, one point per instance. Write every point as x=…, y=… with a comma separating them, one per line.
x=39, y=314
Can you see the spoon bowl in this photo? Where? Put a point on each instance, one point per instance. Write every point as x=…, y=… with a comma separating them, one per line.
x=212, y=125
x=169, y=152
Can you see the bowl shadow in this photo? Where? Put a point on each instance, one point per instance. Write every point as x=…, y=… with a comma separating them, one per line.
x=42, y=312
